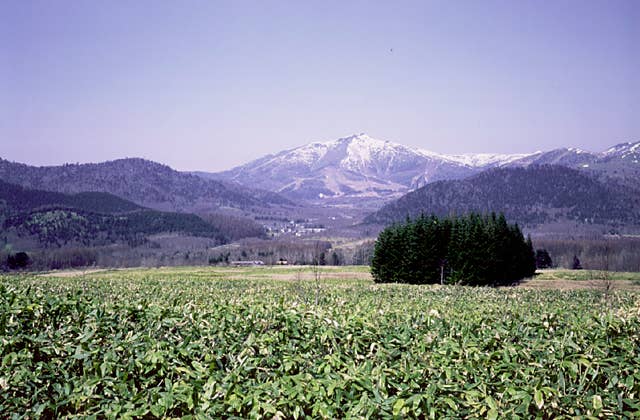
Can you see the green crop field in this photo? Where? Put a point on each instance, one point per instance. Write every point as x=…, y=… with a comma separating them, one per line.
x=276, y=343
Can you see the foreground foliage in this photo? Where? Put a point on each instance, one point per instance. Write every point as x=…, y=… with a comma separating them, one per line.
x=171, y=343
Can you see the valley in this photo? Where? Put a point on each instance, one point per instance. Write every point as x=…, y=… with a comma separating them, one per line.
x=330, y=198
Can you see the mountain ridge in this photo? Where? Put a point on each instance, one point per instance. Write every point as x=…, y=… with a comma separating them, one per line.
x=18, y=199
x=146, y=183
x=532, y=196
x=53, y=219
x=360, y=166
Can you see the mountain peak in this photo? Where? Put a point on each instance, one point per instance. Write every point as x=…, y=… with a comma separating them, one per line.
x=361, y=138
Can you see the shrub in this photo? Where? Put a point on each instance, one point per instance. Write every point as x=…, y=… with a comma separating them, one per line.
x=18, y=260
x=575, y=265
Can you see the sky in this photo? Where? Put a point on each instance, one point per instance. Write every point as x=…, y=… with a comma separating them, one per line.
x=209, y=85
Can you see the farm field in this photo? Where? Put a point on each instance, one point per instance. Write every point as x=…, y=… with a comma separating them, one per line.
x=563, y=279
x=277, y=342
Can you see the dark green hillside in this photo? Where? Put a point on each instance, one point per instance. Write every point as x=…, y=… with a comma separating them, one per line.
x=90, y=219
x=531, y=196
x=20, y=199
x=67, y=227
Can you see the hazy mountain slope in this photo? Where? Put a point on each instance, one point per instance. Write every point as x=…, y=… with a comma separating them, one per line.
x=484, y=160
x=569, y=157
x=144, y=182
x=620, y=162
x=533, y=195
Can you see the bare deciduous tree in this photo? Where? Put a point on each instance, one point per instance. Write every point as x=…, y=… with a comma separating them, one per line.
x=318, y=251
x=602, y=279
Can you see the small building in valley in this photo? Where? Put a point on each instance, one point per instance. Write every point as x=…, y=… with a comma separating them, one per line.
x=246, y=263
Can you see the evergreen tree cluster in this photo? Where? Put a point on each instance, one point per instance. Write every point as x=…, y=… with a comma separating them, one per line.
x=18, y=260
x=471, y=250
x=543, y=259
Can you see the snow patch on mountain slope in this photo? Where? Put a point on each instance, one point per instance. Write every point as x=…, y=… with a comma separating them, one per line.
x=624, y=151
x=308, y=154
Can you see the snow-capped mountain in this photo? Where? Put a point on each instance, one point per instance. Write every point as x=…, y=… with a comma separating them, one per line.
x=354, y=166
x=360, y=166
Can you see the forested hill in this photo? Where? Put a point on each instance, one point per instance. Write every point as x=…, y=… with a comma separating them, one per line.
x=55, y=219
x=529, y=196
x=141, y=181
x=71, y=227
x=19, y=199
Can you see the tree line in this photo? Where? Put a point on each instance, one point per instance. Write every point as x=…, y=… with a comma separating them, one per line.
x=470, y=250
x=612, y=252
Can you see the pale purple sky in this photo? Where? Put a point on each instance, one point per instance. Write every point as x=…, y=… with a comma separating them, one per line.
x=207, y=85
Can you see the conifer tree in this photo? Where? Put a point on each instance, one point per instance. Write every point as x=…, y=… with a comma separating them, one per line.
x=543, y=259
